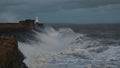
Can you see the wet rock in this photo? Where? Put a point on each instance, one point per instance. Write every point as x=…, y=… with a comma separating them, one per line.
x=9, y=53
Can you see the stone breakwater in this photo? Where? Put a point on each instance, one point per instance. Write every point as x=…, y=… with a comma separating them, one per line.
x=25, y=25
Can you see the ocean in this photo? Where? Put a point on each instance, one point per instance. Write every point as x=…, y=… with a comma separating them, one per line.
x=72, y=46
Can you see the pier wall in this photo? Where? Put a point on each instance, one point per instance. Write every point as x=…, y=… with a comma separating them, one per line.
x=25, y=25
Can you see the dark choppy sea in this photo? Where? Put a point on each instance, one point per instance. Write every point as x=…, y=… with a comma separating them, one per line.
x=72, y=46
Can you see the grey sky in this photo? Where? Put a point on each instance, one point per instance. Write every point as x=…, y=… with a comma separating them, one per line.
x=61, y=11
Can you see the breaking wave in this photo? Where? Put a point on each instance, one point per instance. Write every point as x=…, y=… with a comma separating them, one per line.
x=64, y=48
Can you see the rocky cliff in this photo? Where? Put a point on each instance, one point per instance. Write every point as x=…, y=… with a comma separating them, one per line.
x=8, y=53
x=10, y=56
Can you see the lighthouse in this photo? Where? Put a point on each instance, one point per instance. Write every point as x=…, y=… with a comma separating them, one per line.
x=36, y=19
x=37, y=24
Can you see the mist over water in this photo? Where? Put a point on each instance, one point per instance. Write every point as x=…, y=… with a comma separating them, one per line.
x=65, y=48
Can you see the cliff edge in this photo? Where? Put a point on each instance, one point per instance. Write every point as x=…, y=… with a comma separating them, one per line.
x=10, y=56
x=9, y=53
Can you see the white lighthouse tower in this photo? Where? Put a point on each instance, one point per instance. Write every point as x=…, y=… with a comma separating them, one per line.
x=36, y=19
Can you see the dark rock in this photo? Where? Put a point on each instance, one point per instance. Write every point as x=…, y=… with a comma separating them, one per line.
x=9, y=53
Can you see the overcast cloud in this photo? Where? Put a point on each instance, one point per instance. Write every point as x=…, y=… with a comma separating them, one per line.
x=12, y=10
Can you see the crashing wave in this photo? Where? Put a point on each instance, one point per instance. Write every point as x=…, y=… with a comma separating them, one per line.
x=63, y=48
